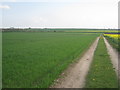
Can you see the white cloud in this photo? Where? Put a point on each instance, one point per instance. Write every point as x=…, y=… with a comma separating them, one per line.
x=60, y=1
x=4, y=7
x=13, y=0
x=38, y=19
x=8, y=0
x=79, y=13
x=96, y=15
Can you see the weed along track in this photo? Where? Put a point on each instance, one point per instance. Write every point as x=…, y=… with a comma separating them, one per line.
x=112, y=41
x=113, y=55
x=102, y=73
x=75, y=75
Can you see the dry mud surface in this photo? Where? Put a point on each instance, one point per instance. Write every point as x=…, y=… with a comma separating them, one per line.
x=113, y=55
x=75, y=75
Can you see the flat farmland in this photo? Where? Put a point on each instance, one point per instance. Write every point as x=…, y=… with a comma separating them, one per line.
x=36, y=59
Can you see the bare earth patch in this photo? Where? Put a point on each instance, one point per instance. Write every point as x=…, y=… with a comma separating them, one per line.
x=113, y=55
x=75, y=75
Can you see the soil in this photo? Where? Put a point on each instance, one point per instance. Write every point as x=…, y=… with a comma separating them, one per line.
x=113, y=55
x=75, y=75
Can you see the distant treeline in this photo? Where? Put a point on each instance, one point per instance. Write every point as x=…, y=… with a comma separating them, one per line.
x=55, y=30
x=29, y=30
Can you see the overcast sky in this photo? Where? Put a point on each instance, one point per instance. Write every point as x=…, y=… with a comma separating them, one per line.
x=59, y=13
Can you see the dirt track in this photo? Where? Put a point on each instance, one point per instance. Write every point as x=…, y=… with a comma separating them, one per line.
x=75, y=75
x=113, y=55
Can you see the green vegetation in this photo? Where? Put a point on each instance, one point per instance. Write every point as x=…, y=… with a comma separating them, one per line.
x=36, y=59
x=101, y=74
x=114, y=42
x=60, y=30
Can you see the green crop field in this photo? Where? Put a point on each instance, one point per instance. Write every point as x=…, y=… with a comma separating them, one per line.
x=35, y=59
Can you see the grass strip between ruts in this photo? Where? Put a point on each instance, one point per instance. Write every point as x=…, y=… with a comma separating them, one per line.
x=101, y=73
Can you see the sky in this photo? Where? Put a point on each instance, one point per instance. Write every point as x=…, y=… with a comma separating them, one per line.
x=59, y=13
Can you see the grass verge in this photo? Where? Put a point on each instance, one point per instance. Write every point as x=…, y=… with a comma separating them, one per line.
x=114, y=42
x=101, y=74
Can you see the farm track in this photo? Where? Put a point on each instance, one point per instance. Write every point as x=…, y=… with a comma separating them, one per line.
x=75, y=75
x=114, y=55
